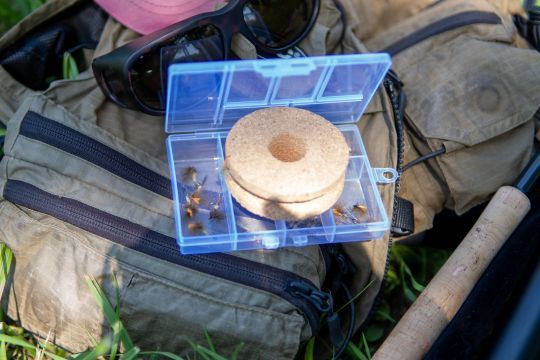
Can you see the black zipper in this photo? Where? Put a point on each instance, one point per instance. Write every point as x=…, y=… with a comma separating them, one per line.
x=142, y=239
x=40, y=128
x=446, y=24
x=393, y=87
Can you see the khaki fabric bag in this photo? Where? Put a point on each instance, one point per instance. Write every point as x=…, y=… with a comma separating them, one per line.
x=472, y=92
x=85, y=192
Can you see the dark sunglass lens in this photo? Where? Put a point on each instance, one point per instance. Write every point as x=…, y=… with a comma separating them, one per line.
x=148, y=74
x=278, y=23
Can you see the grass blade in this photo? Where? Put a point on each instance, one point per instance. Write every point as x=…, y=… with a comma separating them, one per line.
x=163, y=354
x=69, y=67
x=409, y=294
x=374, y=333
x=195, y=348
x=19, y=342
x=6, y=257
x=386, y=316
x=416, y=285
x=116, y=335
x=99, y=350
x=3, y=351
x=30, y=348
x=310, y=347
x=41, y=348
x=203, y=352
x=236, y=351
x=210, y=345
x=356, y=296
x=366, y=347
x=212, y=354
x=355, y=352
x=131, y=354
x=52, y=356
x=110, y=314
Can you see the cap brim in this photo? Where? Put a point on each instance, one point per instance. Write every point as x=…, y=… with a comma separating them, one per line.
x=146, y=16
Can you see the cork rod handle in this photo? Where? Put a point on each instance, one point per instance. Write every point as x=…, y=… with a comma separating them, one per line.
x=441, y=299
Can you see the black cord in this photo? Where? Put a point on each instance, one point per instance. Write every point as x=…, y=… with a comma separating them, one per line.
x=423, y=158
x=352, y=322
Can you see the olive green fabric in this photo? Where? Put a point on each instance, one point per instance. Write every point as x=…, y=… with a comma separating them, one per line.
x=163, y=304
x=472, y=91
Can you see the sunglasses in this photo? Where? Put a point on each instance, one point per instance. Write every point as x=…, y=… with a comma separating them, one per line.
x=134, y=75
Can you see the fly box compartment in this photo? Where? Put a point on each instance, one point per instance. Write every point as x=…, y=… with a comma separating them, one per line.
x=206, y=99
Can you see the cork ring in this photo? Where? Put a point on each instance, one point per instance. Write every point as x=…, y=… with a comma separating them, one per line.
x=285, y=163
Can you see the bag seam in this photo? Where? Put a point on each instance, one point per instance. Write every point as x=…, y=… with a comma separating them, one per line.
x=89, y=128
x=85, y=182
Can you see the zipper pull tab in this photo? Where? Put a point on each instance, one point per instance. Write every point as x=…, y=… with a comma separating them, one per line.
x=344, y=264
x=324, y=302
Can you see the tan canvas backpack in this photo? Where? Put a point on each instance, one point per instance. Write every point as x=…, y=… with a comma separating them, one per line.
x=67, y=215
x=86, y=192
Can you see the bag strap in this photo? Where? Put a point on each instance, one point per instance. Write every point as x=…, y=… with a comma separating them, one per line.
x=530, y=28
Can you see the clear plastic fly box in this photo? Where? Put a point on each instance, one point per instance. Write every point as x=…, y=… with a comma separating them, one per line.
x=205, y=100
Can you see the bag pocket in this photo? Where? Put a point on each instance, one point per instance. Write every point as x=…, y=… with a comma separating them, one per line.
x=158, y=306
x=75, y=176
x=467, y=85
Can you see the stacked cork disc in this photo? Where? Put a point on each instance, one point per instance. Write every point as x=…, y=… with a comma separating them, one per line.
x=285, y=163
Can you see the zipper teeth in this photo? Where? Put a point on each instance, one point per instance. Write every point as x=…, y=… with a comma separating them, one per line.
x=446, y=24
x=152, y=243
x=72, y=210
x=398, y=116
x=38, y=127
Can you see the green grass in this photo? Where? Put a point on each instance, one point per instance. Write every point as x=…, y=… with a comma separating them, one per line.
x=17, y=344
x=12, y=11
x=411, y=268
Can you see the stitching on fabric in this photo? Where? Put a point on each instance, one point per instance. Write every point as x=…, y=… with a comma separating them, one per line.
x=108, y=138
x=105, y=190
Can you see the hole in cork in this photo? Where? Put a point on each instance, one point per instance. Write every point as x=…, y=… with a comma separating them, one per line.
x=287, y=148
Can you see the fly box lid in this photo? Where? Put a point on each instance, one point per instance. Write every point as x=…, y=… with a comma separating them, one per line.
x=204, y=101
x=210, y=96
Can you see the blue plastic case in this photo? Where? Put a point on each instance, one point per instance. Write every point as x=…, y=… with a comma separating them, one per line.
x=205, y=100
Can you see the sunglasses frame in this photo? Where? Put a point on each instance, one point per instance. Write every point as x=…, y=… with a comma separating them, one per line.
x=112, y=70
